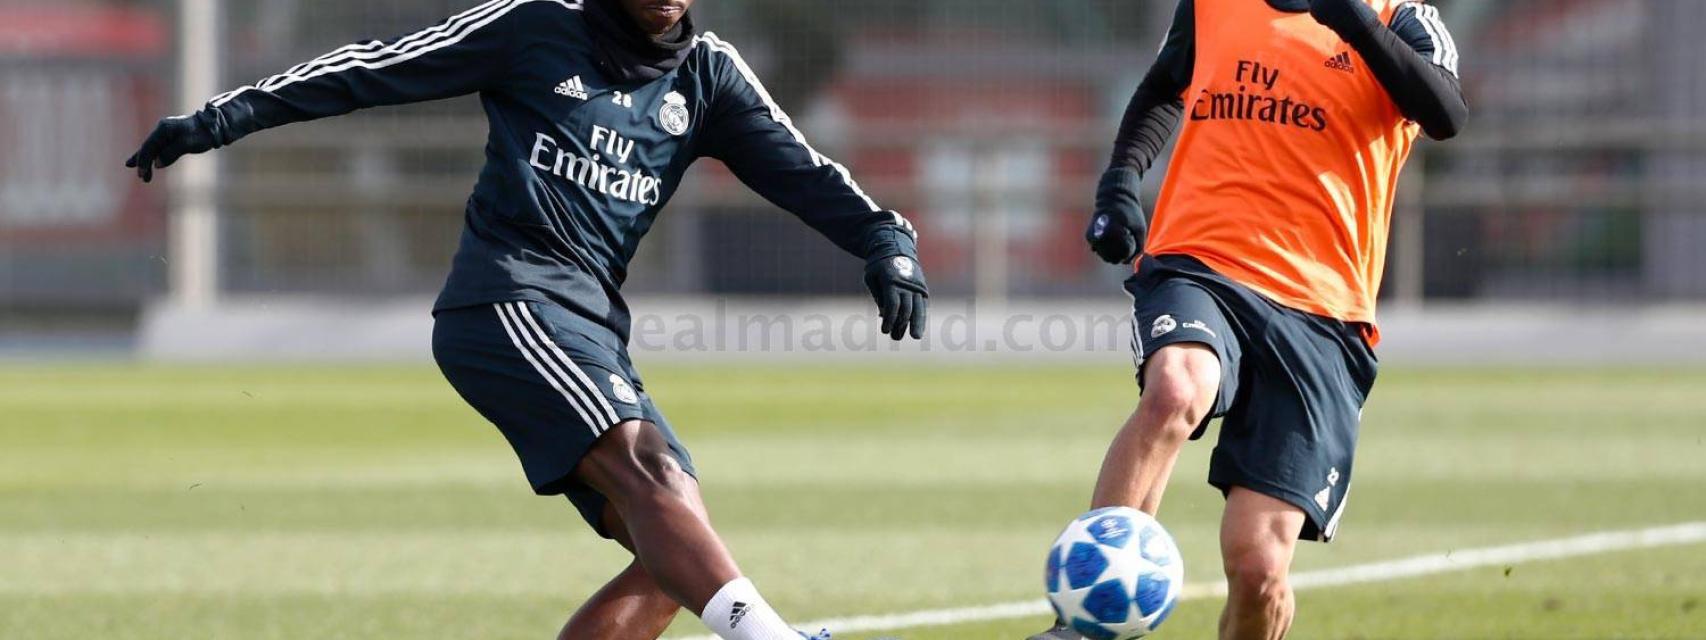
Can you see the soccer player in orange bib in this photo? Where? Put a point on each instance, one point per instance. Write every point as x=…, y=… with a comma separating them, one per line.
x=1255, y=289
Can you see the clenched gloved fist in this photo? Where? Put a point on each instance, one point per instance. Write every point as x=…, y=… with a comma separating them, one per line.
x=173, y=138
x=1118, y=229
x=897, y=282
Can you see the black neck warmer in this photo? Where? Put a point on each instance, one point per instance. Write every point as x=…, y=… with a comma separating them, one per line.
x=630, y=55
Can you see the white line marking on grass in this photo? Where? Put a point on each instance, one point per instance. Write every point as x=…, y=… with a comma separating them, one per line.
x=1416, y=566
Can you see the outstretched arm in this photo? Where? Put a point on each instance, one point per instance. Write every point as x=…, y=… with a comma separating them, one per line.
x=759, y=143
x=1118, y=228
x=461, y=55
x=1414, y=58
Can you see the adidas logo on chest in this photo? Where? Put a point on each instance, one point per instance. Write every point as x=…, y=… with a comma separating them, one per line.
x=1342, y=62
x=572, y=88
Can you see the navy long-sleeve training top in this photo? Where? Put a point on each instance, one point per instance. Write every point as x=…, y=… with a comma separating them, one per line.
x=577, y=165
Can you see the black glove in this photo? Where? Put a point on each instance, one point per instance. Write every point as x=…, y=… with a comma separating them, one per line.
x=173, y=138
x=1118, y=229
x=897, y=282
x=1343, y=16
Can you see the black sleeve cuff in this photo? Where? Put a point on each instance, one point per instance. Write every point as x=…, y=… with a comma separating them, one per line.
x=888, y=241
x=1120, y=191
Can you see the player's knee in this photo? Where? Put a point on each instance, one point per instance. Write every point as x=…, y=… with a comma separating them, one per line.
x=1256, y=574
x=1172, y=397
x=1179, y=388
x=653, y=473
x=636, y=466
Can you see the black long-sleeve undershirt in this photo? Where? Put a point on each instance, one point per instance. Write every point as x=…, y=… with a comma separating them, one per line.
x=1155, y=109
x=1428, y=94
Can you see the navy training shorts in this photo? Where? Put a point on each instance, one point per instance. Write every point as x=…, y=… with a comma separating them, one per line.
x=1292, y=386
x=551, y=384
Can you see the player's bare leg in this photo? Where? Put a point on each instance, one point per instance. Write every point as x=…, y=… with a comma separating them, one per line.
x=631, y=605
x=1258, y=535
x=1180, y=383
x=631, y=466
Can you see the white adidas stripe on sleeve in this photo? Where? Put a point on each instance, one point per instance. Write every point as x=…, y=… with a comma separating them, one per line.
x=377, y=50
x=1445, y=48
x=377, y=55
x=1430, y=15
x=373, y=47
x=776, y=113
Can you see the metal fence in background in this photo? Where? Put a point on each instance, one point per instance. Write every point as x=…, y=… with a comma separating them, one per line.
x=1582, y=175
x=986, y=122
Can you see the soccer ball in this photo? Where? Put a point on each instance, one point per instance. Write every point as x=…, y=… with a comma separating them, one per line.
x=1114, y=574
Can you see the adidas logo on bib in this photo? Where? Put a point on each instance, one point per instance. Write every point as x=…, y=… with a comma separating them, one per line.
x=572, y=88
x=1342, y=62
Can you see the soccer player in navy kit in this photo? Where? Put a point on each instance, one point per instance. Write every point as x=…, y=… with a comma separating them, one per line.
x=596, y=109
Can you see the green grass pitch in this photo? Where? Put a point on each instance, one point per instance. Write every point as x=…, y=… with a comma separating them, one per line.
x=260, y=503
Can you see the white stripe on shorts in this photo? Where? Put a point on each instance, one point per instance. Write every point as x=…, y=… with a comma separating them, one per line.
x=528, y=352
x=585, y=382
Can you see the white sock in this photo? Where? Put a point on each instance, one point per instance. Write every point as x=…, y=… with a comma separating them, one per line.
x=737, y=612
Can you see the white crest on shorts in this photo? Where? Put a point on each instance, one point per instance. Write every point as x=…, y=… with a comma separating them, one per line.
x=673, y=115
x=1163, y=326
x=1326, y=495
x=622, y=391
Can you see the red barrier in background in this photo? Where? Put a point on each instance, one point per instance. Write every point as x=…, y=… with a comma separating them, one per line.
x=82, y=83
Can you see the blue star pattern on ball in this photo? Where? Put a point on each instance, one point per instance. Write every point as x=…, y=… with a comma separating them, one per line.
x=1114, y=574
x=1152, y=593
x=1085, y=564
x=1108, y=602
x=1051, y=575
x=1092, y=630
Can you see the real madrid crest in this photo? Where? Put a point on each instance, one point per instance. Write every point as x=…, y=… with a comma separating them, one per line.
x=622, y=390
x=673, y=115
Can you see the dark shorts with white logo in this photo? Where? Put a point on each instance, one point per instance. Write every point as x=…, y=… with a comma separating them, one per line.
x=1292, y=384
x=550, y=387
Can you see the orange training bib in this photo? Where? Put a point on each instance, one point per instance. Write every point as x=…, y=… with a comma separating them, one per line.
x=1287, y=162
